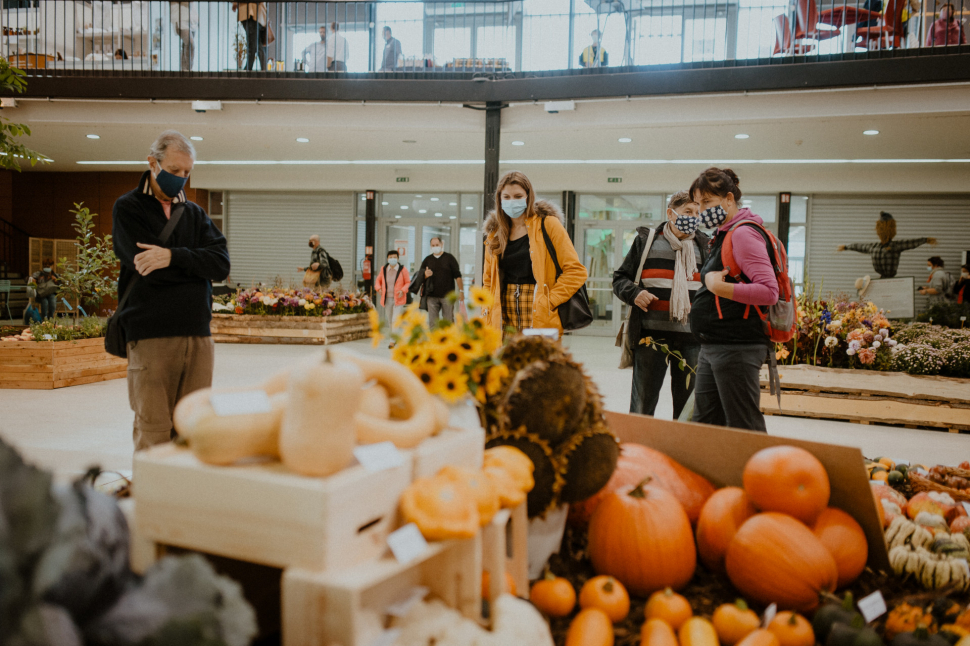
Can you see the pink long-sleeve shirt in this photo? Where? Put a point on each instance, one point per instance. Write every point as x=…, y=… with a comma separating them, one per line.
x=751, y=254
x=945, y=32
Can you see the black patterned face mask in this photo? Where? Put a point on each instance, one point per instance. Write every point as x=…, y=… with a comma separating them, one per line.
x=713, y=217
x=686, y=224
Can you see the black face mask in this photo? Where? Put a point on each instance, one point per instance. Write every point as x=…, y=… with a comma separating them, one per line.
x=310, y=244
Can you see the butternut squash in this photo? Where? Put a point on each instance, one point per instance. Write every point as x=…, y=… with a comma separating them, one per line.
x=225, y=439
x=317, y=436
x=698, y=631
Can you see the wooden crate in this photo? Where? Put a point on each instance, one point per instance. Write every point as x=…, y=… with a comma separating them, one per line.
x=45, y=365
x=505, y=545
x=869, y=396
x=306, y=330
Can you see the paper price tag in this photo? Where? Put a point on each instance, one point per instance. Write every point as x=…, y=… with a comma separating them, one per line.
x=401, y=608
x=922, y=472
x=48, y=337
x=549, y=332
x=877, y=483
x=380, y=456
x=387, y=638
x=407, y=543
x=244, y=402
x=872, y=607
x=966, y=506
x=963, y=562
x=770, y=613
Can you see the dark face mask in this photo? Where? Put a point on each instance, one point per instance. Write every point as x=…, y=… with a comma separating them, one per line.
x=170, y=184
x=310, y=244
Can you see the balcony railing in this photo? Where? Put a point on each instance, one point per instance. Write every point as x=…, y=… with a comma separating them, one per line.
x=151, y=38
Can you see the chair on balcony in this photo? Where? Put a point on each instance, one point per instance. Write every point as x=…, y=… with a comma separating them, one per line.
x=810, y=24
x=888, y=31
x=785, y=42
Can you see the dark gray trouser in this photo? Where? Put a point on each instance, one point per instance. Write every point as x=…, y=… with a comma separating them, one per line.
x=649, y=369
x=442, y=307
x=728, y=391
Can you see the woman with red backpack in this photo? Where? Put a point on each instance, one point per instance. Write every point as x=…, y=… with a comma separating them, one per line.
x=730, y=315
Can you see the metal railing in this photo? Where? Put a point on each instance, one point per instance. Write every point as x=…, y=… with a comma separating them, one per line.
x=146, y=38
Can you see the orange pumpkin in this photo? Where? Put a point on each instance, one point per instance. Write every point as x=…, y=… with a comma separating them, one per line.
x=843, y=537
x=697, y=631
x=657, y=632
x=669, y=606
x=720, y=518
x=776, y=559
x=760, y=637
x=553, y=595
x=607, y=594
x=637, y=462
x=792, y=629
x=960, y=524
x=734, y=621
x=591, y=627
x=789, y=480
x=641, y=536
x=487, y=583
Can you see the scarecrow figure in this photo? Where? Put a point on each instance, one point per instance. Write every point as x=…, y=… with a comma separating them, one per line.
x=885, y=253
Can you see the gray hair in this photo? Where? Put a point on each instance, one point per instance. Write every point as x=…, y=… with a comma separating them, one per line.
x=171, y=139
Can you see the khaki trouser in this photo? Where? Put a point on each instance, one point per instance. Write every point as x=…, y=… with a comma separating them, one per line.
x=160, y=373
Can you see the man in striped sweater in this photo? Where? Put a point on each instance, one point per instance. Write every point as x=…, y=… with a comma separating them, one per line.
x=660, y=299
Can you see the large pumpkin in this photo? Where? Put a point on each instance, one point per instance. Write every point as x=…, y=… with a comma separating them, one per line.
x=774, y=558
x=641, y=536
x=843, y=537
x=789, y=480
x=721, y=516
x=637, y=462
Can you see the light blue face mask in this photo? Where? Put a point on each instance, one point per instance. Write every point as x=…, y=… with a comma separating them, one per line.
x=514, y=208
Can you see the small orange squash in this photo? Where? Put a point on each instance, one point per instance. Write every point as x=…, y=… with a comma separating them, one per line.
x=720, y=518
x=776, y=559
x=760, y=637
x=734, y=621
x=792, y=629
x=657, y=632
x=442, y=509
x=486, y=495
x=843, y=537
x=487, y=584
x=697, y=631
x=553, y=595
x=789, y=480
x=591, y=627
x=607, y=594
x=669, y=606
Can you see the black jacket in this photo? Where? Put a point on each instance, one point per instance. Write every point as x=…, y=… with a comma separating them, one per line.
x=176, y=300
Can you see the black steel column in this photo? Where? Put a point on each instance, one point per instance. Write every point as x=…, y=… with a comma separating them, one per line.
x=569, y=210
x=371, y=13
x=784, y=217
x=370, y=234
x=493, y=133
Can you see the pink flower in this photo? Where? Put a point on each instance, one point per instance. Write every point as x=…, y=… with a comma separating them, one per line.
x=856, y=335
x=867, y=356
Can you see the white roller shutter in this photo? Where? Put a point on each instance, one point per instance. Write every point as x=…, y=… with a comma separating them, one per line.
x=268, y=233
x=844, y=219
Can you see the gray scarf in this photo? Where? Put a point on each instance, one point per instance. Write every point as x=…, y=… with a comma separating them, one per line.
x=685, y=266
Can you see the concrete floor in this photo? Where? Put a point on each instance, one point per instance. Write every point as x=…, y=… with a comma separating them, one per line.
x=69, y=429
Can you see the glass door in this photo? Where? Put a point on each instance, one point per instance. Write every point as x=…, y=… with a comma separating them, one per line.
x=602, y=247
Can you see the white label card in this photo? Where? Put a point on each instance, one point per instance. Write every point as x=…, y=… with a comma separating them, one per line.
x=48, y=337
x=550, y=332
x=407, y=543
x=401, y=608
x=966, y=506
x=877, y=483
x=380, y=456
x=244, y=402
x=872, y=607
x=770, y=613
x=387, y=638
x=922, y=472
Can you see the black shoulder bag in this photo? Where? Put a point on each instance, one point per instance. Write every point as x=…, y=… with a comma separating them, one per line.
x=115, y=342
x=574, y=314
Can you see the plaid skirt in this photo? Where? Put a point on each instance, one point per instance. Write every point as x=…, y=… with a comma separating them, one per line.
x=517, y=308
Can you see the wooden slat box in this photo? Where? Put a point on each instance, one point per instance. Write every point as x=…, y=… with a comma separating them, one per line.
x=45, y=365
x=307, y=330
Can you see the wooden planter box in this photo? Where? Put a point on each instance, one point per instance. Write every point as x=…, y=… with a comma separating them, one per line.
x=45, y=365
x=311, y=330
x=869, y=396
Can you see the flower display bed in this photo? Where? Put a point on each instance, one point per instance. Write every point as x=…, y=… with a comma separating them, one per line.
x=868, y=396
x=45, y=365
x=310, y=330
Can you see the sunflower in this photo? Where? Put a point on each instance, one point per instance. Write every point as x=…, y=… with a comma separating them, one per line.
x=375, y=326
x=491, y=339
x=452, y=356
x=453, y=386
x=429, y=376
x=444, y=336
x=480, y=297
x=496, y=375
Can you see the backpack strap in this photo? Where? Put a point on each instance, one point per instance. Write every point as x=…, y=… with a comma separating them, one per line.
x=727, y=249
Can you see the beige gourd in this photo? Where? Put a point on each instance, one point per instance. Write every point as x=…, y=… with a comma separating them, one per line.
x=375, y=401
x=317, y=435
x=224, y=439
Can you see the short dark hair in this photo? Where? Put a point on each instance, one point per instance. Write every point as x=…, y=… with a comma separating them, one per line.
x=936, y=261
x=438, y=239
x=335, y=26
x=718, y=182
x=388, y=29
x=393, y=252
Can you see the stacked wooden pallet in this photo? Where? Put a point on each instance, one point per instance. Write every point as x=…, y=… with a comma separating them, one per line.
x=311, y=330
x=44, y=365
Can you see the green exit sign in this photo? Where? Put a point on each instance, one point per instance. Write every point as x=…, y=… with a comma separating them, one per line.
x=403, y=179
x=614, y=180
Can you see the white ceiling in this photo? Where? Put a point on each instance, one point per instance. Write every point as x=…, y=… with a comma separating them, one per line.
x=795, y=129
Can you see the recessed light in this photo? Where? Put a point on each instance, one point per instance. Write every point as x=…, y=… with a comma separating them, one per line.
x=438, y=215
x=435, y=199
x=196, y=138
x=452, y=203
x=518, y=143
x=870, y=132
x=398, y=217
x=624, y=140
x=404, y=208
x=94, y=136
x=384, y=203
x=302, y=140
x=741, y=136
x=452, y=217
x=422, y=210
x=410, y=141
x=469, y=208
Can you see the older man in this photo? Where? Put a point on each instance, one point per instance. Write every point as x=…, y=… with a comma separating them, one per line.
x=167, y=312
x=319, y=265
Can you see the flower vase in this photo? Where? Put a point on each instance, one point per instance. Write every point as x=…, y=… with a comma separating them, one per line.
x=545, y=538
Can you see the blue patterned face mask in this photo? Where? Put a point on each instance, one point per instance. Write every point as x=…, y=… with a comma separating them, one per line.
x=713, y=217
x=686, y=224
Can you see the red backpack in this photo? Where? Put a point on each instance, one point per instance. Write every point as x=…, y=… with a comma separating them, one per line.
x=782, y=317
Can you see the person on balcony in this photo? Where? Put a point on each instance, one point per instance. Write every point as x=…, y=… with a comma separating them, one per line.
x=185, y=21
x=946, y=30
x=315, y=55
x=336, y=50
x=392, y=52
x=594, y=55
x=252, y=16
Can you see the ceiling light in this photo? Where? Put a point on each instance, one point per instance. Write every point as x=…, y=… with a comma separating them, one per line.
x=94, y=136
x=469, y=208
x=398, y=217
x=435, y=199
x=452, y=203
x=624, y=140
x=518, y=143
x=870, y=132
x=422, y=210
x=384, y=203
x=452, y=217
x=418, y=196
x=742, y=136
x=196, y=138
x=404, y=208
x=438, y=215
x=410, y=141
x=302, y=140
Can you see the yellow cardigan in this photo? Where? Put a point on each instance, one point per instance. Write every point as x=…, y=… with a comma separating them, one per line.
x=549, y=293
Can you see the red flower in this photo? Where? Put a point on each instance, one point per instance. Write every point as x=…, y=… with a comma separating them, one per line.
x=239, y=310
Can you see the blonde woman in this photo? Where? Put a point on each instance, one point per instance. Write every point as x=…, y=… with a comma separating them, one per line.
x=519, y=272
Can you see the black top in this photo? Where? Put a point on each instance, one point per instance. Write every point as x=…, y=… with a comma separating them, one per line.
x=176, y=300
x=516, y=263
x=442, y=281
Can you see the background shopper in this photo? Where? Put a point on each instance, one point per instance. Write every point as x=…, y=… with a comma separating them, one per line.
x=32, y=312
x=46, y=283
x=439, y=273
x=961, y=288
x=938, y=283
x=185, y=21
x=315, y=55
x=660, y=298
x=319, y=262
x=392, y=286
x=392, y=52
x=166, y=317
x=519, y=272
x=252, y=16
x=947, y=30
x=336, y=50
x=726, y=314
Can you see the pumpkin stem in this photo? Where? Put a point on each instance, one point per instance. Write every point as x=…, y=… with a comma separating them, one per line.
x=793, y=620
x=668, y=592
x=608, y=586
x=921, y=632
x=638, y=490
x=848, y=602
x=741, y=604
x=549, y=576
